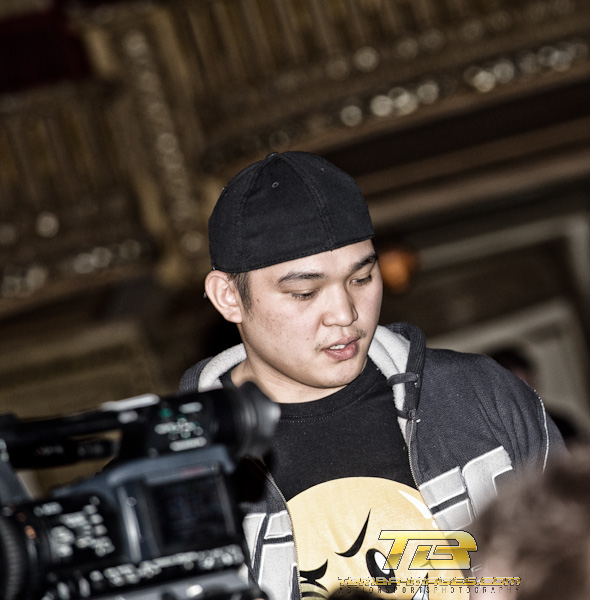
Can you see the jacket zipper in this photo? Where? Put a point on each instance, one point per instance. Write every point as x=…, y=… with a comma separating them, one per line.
x=412, y=417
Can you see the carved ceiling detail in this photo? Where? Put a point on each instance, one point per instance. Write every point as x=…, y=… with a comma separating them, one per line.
x=109, y=178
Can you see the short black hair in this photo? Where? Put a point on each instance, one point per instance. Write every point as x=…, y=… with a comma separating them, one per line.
x=242, y=283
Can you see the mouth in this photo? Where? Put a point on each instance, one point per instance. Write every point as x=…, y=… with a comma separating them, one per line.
x=344, y=350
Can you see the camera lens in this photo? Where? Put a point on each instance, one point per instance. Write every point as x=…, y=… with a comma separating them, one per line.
x=258, y=416
x=13, y=557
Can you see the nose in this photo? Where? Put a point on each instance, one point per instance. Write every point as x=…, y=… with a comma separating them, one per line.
x=340, y=309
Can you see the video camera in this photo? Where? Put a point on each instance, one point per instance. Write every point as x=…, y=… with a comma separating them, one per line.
x=159, y=522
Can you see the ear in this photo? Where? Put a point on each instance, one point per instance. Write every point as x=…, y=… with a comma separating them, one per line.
x=224, y=296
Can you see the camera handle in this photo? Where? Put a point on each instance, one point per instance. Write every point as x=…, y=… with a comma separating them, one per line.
x=12, y=489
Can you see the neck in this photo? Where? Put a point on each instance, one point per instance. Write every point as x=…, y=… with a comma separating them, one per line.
x=277, y=389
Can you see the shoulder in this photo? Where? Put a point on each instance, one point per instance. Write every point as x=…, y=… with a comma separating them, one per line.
x=189, y=381
x=490, y=402
x=207, y=374
x=465, y=364
x=484, y=394
x=476, y=372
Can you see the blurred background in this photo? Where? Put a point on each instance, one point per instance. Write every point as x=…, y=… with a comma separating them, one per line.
x=465, y=122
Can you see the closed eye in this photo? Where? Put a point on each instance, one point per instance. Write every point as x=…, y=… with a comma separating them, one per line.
x=362, y=280
x=303, y=295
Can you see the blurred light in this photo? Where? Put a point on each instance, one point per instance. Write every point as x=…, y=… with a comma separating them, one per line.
x=404, y=101
x=407, y=48
x=192, y=242
x=397, y=266
x=83, y=263
x=504, y=71
x=102, y=257
x=366, y=59
x=381, y=105
x=351, y=115
x=36, y=277
x=136, y=43
x=481, y=79
x=473, y=30
x=167, y=143
x=557, y=58
x=279, y=139
x=47, y=224
x=172, y=161
x=432, y=40
x=428, y=91
x=338, y=69
x=527, y=62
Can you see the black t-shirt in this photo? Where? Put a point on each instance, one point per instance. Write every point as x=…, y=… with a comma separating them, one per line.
x=342, y=464
x=351, y=433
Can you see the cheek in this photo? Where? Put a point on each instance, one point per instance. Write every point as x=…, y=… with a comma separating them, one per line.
x=370, y=306
x=375, y=300
x=265, y=313
x=286, y=318
x=277, y=323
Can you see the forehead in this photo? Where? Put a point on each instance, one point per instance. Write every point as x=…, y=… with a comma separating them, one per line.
x=333, y=263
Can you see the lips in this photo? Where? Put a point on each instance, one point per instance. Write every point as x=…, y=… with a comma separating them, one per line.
x=342, y=350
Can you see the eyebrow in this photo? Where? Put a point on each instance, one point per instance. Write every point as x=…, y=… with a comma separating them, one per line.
x=371, y=259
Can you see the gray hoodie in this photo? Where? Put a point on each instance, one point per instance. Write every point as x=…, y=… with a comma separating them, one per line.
x=466, y=421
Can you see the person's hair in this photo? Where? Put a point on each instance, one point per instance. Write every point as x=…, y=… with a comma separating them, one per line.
x=539, y=529
x=242, y=283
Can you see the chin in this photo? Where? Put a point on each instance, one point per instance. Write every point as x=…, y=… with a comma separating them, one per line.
x=344, y=379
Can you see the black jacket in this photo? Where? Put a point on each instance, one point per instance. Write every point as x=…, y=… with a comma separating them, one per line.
x=467, y=422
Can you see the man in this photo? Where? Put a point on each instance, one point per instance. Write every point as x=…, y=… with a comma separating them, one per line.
x=377, y=431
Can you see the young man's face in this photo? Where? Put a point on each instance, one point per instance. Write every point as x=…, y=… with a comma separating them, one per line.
x=311, y=322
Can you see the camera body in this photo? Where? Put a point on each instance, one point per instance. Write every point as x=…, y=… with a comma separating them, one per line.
x=160, y=521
